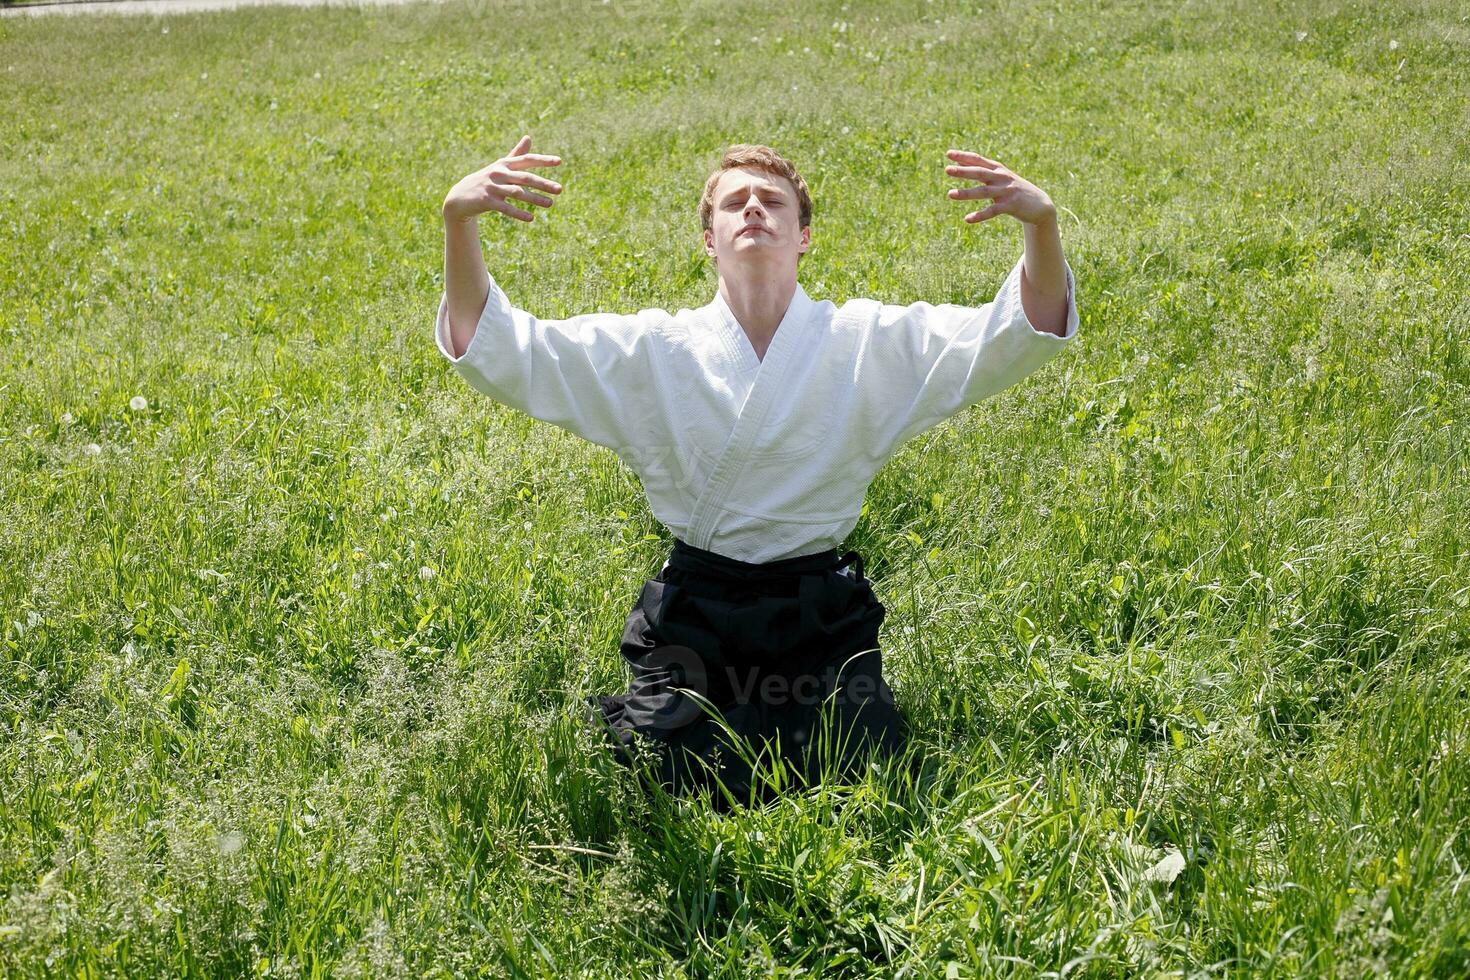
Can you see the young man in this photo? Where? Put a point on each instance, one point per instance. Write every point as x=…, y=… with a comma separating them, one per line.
x=755, y=424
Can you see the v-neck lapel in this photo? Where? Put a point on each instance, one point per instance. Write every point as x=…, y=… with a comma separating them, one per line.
x=767, y=376
x=737, y=343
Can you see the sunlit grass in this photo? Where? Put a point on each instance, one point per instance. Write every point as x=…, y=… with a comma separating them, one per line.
x=297, y=625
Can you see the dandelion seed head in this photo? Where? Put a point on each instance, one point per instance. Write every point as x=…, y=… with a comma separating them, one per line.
x=67, y=418
x=230, y=842
x=138, y=403
x=92, y=449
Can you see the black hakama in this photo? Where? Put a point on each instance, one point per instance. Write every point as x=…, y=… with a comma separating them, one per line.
x=784, y=653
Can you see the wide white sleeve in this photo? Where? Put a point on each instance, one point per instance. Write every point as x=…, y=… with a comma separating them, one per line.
x=589, y=374
x=939, y=359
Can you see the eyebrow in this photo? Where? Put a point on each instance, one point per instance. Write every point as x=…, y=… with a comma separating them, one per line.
x=764, y=191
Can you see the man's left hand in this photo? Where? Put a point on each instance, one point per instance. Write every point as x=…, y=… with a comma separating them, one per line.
x=1008, y=193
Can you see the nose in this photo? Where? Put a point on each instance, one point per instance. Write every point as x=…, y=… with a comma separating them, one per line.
x=753, y=206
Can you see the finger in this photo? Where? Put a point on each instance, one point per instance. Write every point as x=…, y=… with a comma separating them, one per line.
x=970, y=193
x=507, y=208
x=965, y=156
x=523, y=160
x=974, y=173
x=985, y=214
x=533, y=180
x=522, y=145
x=529, y=198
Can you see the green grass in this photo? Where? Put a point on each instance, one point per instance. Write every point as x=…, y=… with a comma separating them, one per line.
x=1199, y=584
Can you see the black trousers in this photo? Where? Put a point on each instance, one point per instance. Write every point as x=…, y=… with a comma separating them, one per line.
x=732, y=661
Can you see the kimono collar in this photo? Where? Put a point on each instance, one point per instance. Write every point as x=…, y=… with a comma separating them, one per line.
x=738, y=344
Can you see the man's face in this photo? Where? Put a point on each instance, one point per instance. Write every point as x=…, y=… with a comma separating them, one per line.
x=756, y=221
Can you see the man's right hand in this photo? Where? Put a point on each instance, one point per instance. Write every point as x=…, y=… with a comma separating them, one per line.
x=494, y=187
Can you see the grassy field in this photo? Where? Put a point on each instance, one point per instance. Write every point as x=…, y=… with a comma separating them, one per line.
x=295, y=622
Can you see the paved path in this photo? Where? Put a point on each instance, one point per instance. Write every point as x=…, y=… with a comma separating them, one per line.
x=156, y=7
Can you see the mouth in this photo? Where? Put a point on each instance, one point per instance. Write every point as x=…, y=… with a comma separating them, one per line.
x=751, y=230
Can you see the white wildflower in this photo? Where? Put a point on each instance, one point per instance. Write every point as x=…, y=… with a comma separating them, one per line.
x=426, y=573
x=273, y=105
x=1301, y=35
x=203, y=75
x=847, y=129
x=1393, y=45
x=527, y=525
x=230, y=842
x=717, y=42
x=67, y=418
x=92, y=449
x=165, y=30
x=138, y=403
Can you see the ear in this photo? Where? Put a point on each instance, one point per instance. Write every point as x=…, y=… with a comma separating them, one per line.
x=709, y=243
x=806, y=238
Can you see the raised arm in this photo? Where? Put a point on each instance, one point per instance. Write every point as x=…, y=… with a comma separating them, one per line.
x=594, y=374
x=931, y=361
x=466, y=280
x=1043, y=271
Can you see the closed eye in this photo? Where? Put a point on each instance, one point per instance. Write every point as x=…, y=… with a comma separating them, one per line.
x=774, y=202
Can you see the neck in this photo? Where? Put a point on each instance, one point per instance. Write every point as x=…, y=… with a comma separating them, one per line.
x=759, y=301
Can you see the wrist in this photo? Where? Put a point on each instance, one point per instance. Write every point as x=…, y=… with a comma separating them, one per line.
x=453, y=217
x=1047, y=220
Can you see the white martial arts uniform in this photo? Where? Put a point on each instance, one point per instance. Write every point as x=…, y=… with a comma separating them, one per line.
x=755, y=459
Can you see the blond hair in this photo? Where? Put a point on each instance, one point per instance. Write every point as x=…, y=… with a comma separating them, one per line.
x=760, y=158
